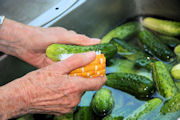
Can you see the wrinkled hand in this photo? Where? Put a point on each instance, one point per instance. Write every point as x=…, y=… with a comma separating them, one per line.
x=35, y=46
x=51, y=90
x=29, y=43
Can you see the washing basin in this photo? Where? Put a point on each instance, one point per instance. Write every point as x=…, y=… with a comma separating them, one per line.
x=93, y=18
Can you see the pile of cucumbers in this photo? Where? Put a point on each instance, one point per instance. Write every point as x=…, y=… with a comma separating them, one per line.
x=147, y=70
x=157, y=49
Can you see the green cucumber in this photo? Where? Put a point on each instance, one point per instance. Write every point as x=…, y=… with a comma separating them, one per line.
x=68, y=116
x=154, y=46
x=145, y=109
x=178, y=85
x=55, y=50
x=176, y=71
x=177, y=52
x=102, y=102
x=124, y=31
x=137, y=85
x=147, y=63
x=84, y=113
x=144, y=63
x=172, y=105
x=26, y=117
x=168, y=40
x=128, y=51
x=109, y=117
x=163, y=80
x=170, y=28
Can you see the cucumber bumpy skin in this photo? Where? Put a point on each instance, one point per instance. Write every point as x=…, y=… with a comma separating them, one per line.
x=84, y=113
x=102, y=102
x=164, y=82
x=137, y=85
x=124, y=31
x=154, y=46
x=54, y=51
x=144, y=109
x=172, y=105
x=176, y=71
x=165, y=27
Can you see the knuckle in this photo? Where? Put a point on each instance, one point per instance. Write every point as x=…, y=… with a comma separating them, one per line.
x=99, y=84
x=82, y=38
x=75, y=103
x=75, y=88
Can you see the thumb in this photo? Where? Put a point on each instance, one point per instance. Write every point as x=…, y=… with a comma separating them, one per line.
x=74, y=62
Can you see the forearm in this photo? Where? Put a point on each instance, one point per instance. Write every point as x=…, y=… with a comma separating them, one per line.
x=13, y=100
x=11, y=35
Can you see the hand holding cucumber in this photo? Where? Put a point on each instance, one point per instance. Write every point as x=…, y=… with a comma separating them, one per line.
x=29, y=43
x=50, y=89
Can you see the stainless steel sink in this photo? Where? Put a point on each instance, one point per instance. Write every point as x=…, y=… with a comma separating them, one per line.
x=25, y=10
x=93, y=18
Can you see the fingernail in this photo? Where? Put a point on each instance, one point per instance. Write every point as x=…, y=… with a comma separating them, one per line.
x=90, y=54
x=96, y=39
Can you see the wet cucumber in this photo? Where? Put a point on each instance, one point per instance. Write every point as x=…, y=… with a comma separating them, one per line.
x=147, y=63
x=163, y=80
x=169, y=41
x=144, y=63
x=178, y=85
x=137, y=85
x=68, y=116
x=166, y=27
x=172, y=105
x=26, y=117
x=154, y=46
x=109, y=117
x=128, y=51
x=124, y=31
x=84, y=113
x=145, y=109
x=177, y=52
x=54, y=51
x=176, y=71
x=102, y=102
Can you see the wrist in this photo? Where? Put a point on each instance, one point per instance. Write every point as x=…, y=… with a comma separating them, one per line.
x=13, y=100
x=12, y=36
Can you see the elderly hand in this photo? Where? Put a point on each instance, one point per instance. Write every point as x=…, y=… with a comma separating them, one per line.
x=49, y=89
x=29, y=43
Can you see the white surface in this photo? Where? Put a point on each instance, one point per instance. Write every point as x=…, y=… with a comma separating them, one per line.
x=53, y=12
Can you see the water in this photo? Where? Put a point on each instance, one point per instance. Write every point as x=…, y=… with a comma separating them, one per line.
x=125, y=103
